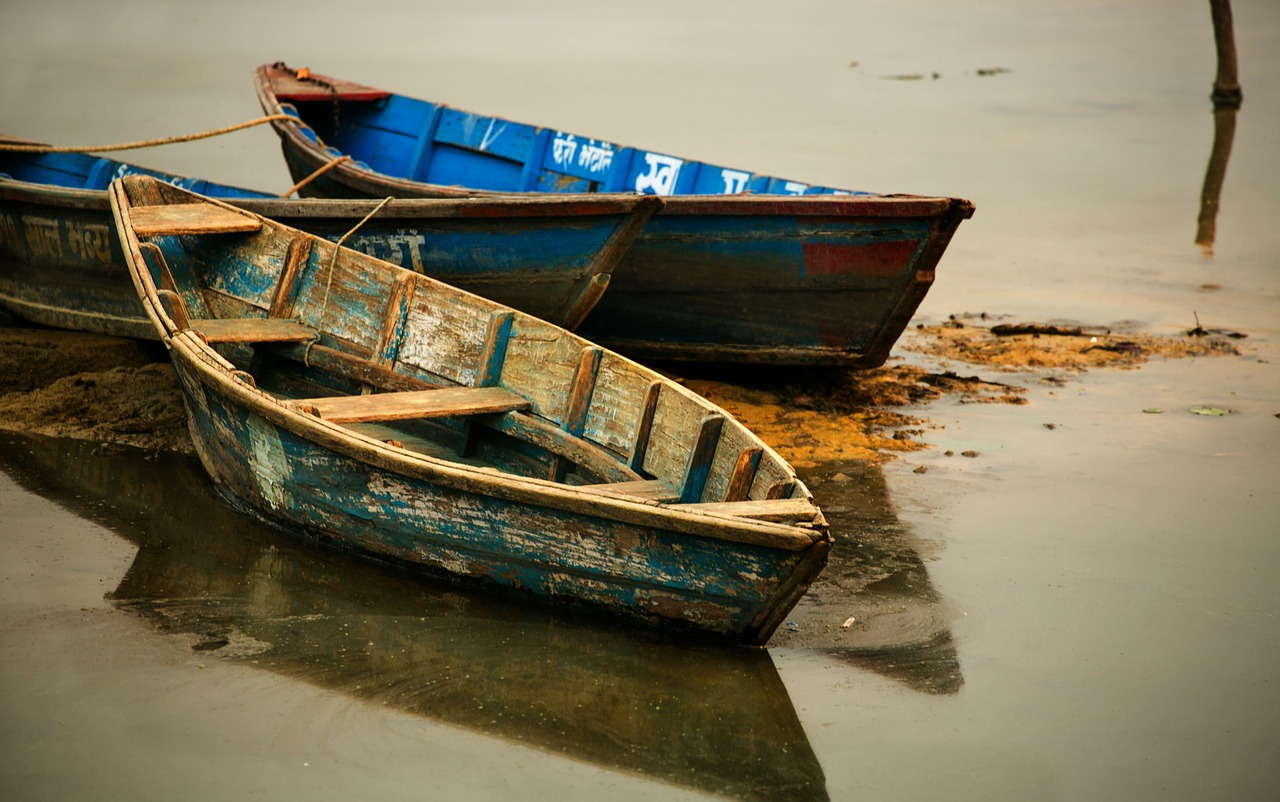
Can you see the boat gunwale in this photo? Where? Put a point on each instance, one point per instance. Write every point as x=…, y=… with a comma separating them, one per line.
x=19, y=191
x=486, y=207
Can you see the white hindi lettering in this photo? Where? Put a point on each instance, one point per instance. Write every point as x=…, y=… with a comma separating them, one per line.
x=661, y=178
x=491, y=135
x=795, y=187
x=735, y=181
x=596, y=157
x=562, y=149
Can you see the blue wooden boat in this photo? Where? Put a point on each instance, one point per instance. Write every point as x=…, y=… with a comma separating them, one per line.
x=61, y=263
x=396, y=416
x=737, y=266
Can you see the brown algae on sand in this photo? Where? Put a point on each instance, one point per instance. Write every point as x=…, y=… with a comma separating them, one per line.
x=123, y=392
x=1071, y=348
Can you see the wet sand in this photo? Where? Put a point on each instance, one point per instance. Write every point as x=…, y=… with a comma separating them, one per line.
x=1083, y=607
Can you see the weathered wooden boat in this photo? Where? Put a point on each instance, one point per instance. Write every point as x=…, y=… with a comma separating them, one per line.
x=61, y=263
x=737, y=266
x=399, y=417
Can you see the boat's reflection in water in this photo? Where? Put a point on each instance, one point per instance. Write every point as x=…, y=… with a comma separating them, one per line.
x=901, y=625
x=706, y=717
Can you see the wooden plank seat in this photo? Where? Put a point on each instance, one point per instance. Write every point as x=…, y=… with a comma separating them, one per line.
x=779, y=509
x=412, y=404
x=190, y=218
x=647, y=489
x=253, y=330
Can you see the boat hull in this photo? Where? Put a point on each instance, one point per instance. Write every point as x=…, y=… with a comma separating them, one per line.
x=606, y=695
x=789, y=274
x=539, y=547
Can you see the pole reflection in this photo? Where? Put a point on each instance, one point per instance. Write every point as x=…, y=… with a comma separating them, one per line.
x=1224, y=132
x=1227, y=98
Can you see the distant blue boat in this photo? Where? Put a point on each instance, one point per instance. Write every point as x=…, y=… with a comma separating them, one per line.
x=61, y=263
x=737, y=266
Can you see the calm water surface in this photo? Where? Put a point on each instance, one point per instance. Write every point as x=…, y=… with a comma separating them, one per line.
x=1088, y=611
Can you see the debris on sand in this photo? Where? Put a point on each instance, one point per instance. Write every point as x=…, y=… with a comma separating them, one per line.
x=1012, y=347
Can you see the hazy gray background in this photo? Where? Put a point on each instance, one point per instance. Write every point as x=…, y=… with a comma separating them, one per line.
x=1112, y=583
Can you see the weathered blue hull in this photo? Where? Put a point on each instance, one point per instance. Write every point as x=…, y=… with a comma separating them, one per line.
x=343, y=496
x=61, y=263
x=737, y=266
x=399, y=417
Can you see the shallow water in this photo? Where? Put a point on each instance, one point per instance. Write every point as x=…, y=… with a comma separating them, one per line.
x=1087, y=611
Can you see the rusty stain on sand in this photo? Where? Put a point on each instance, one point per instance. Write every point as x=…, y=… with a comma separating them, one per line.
x=116, y=391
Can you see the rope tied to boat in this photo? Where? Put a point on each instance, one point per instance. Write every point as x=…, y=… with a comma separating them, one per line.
x=324, y=168
x=15, y=147
x=333, y=263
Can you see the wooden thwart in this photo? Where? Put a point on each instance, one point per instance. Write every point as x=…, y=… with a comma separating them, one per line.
x=253, y=330
x=412, y=404
x=782, y=509
x=649, y=490
x=190, y=218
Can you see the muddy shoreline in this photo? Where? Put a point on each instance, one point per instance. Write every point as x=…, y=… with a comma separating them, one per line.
x=117, y=391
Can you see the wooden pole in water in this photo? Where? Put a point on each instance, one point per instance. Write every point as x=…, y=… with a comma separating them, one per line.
x=1226, y=88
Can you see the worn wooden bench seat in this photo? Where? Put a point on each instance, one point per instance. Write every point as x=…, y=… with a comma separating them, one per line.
x=253, y=330
x=780, y=509
x=190, y=218
x=412, y=404
x=647, y=489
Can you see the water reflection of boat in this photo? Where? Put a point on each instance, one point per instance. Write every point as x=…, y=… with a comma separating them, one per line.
x=901, y=625
x=710, y=718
